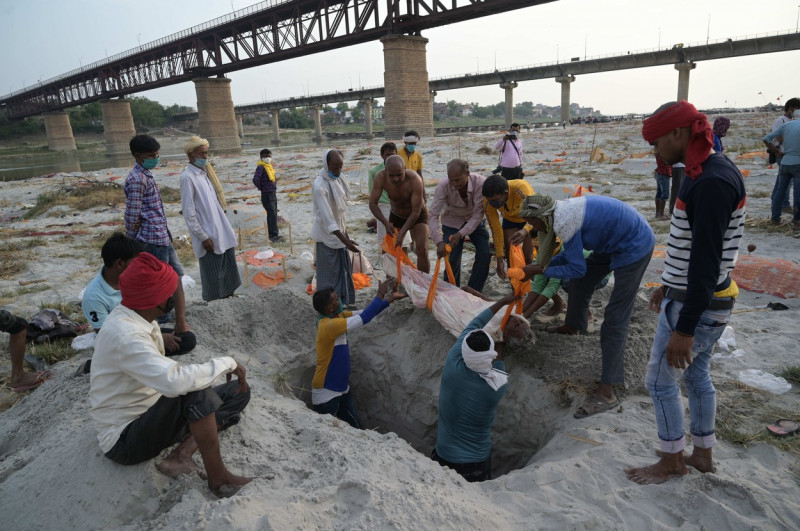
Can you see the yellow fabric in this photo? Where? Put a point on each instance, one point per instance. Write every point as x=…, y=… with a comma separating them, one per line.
x=269, y=169
x=413, y=161
x=730, y=291
x=518, y=190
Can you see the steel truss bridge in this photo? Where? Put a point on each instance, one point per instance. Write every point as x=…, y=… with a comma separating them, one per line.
x=271, y=31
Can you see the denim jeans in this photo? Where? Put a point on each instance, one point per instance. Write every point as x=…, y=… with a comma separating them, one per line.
x=480, y=267
x=662, y=186
x=775, y=188
x=167, y=254
x=342, y=407
x=662, y=380
x=269, y=200
x=617, y=317
x=788, y=174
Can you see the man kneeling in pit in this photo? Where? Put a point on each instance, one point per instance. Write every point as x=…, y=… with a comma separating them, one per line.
x=471, y=388
x=143, y=402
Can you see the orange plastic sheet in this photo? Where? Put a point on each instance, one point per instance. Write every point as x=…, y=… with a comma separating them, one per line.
x=269, y=280
x=389, y=246
x=250, y=256
x=753, y=155
x=578, y=191
x=516, y=259
x=767, y=275
x=660, y=251
x=450, y=277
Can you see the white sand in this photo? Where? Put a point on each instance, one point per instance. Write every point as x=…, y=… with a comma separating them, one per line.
x=315, y=472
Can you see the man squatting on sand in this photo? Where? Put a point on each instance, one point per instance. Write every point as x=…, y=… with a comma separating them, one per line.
x=408, y=211
x=698, y=293
x=142, y=402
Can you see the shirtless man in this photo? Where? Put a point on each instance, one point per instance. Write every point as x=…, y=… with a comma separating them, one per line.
x=407, y=200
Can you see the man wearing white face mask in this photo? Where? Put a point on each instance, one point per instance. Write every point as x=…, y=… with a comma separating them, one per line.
x=203, y=205
x=473, y=383
x=264, y=179
x=510, y=148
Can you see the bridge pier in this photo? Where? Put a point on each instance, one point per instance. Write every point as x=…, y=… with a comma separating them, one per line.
x=240, y=125
x=118, y=128
x=683, y=79
x=59, y=131
x=509, y=88
x=315, y=111
x=565, y=81
x=276, y=130
x=367, y=104
x=405, y=77
x=216, y=114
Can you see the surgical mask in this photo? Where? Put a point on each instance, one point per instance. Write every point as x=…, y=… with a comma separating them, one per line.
x=513, y=133
x=410, y=148
x=200, y=163
x=267, y=160
x=170, y=304
x=333, y=175
x=149, y=164
x=497, y=203
x=796, y=114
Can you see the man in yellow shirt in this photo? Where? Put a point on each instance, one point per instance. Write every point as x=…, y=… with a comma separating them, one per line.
x=409, y=152
x=503, y=197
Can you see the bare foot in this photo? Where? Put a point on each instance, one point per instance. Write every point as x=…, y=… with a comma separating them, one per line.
x=556, y=307
x=668, y=467
x=229, y=486
x=563, y=329
x=701, y=460
x=173, y=466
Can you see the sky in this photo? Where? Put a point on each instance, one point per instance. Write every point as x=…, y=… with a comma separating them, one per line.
x=43, y=39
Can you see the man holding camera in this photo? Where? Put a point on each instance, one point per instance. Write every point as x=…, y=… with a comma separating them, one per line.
x=510, y=148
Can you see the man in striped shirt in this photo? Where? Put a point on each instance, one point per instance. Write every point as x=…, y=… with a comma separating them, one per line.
x=698, y=294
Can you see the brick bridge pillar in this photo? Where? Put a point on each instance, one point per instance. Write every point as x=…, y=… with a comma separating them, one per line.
x=118, y=128
x=405, y=78
x=217, y=118
x=59, y=131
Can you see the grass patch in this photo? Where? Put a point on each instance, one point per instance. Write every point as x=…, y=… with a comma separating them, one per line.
x=759, y=194
x=184, y=251
x=792, y=374
x=53, y=351
x=80, y=195
x=170, y=194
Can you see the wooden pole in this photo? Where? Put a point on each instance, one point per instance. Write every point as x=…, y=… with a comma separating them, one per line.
x=246, y=274
x=291, y=240
x=592, y=149
x=285, y=274
x=241, y=243
x=266, y=232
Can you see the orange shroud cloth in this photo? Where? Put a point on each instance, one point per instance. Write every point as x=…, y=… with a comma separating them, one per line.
x=516, y=260
x=389, y=246
x=450, y=277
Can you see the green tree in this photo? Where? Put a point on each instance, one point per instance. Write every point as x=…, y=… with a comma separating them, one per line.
x=343, y=107
x=454, y=108
x=147, y=112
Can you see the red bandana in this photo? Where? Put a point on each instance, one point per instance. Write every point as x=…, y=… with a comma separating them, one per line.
x=683, y=114
x=147, y=282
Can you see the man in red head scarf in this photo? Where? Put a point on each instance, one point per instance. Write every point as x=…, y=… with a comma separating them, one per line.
x=142, y=401
x=698, y=293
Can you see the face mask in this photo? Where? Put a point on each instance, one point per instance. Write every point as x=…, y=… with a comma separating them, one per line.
x=513, y=133
x=410, y=148
x=200, y=163
x=497, y=203
x=333, y=175
x=149, y=164
x=267, y=160
x=796, y=114
x=170, y=304
x=338, y=310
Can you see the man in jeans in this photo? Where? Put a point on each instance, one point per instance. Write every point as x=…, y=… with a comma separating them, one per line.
x=145, y=219
x=458, y=204
x=789, y=171
x=698, y=293
x=791, y=105
x=510, y=148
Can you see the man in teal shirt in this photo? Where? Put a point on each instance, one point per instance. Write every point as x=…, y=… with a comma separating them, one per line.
x=471, y=388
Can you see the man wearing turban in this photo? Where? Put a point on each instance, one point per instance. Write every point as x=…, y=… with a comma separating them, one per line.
x=622, y=241
x=142, y=402
x=213, y=240
x=698, y=293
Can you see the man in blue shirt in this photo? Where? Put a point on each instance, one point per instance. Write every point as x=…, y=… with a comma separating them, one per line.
x=471, y=388
x=622, y=242
x=789, y=171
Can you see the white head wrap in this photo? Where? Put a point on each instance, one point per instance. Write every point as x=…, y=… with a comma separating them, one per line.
x=193, y=143
x=341, y=193
x=410, y=139
x=481, y=362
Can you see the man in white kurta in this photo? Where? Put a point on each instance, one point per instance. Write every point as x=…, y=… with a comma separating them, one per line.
x=213, y=239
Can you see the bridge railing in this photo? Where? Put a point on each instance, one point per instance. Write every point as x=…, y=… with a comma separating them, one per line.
x=164, y=40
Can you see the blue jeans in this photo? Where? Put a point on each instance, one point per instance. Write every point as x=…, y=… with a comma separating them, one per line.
x=342, y=407
x=480, y=267
x=775, y=188
x=167, y=254
x=788, y=174
x=662, y=380
x=617, y=317
x=662, y=186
